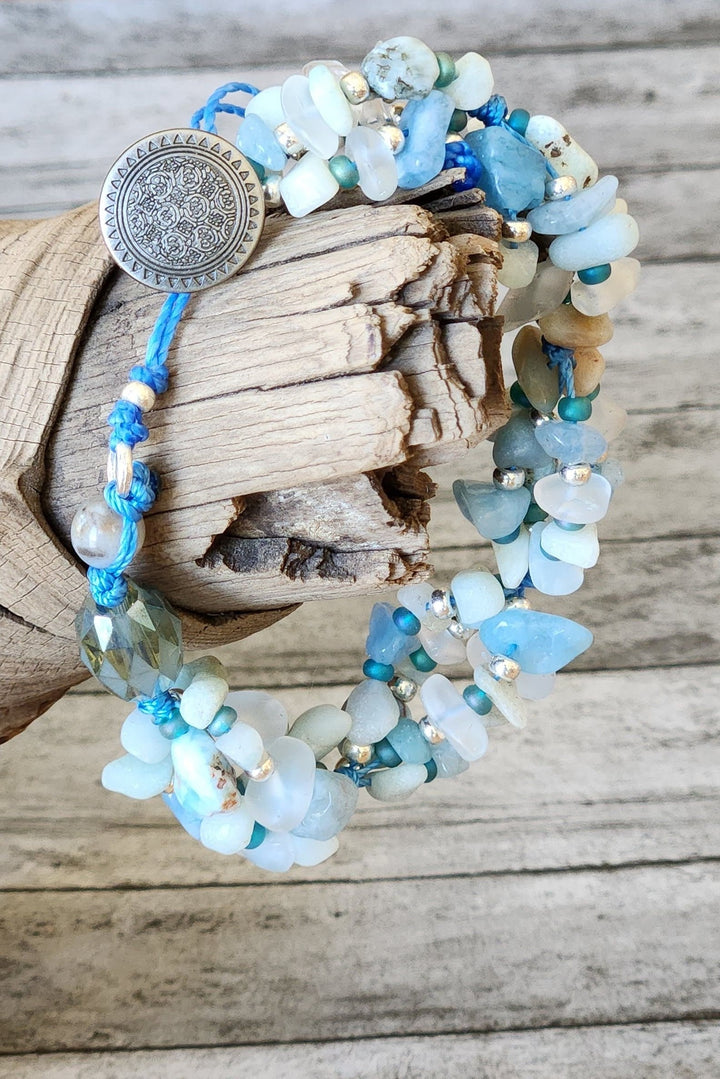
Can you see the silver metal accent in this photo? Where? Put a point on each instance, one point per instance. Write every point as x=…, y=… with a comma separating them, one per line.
x=430, y=732
x=459, y=631
x=355, y=87
x=537, y=419
x=354, y=753
x=393, y=136
x=575, y=475
x=181, y=210
x=289, y=141
x=440, y=603
x=263, y=770
x=120, y=468
x=404, y=689
x=504, y=668
x=271, y=191
x=517, y=603
x=559, y=187
x=517, y=232
x=509, y=479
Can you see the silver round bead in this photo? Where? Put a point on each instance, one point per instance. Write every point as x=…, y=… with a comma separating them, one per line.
x=354, y=753
x=440, y=603
x=537, y=419
x=504, y=668
x=271, y=191
x=289, y=141
x=430, y=732
x=342, y=763
x=575, y=475
x=459, y=631
x=559, y=187
x=263, y=770
x=355, y=87
x=404, y=689
x=509, y=479
x=517, y=232
x=518, y=603
x=393, y=137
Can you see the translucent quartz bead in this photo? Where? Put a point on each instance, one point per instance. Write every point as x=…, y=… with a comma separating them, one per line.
x=385, y=643
x=204, y=781
x=304, y=117
x=534, y=687
x=598, y=299
x=401, y=67
x=227, y=833
x=335, y=67
x=448, y=760
x=425, y=124
x=322, y=728
x=608, y=417
x=334, y=800
x=242, y=745
x=309, y=852
x=561, y=150
x=478, y=595
x=515, y=444
x=408, y=742
x=495, y=513
x=134, y=649
x=374, y=712
x=203, y=667
x=541, y=643
x=416, y=598
x=579, y=546
x=281, y=801
x=256, y=140
x=442, y=646
x=96, y=533
x=581, y=505
x=503, y=696
x=519, y=264
x=571, y=443
x=308, y=185
x=202, y=699
x=135, y=778
x=477, y=654
x=329, y=99
x=190, y=821
x=560, y=216
x=448, y=711
x=514, y=173
x=275, y=854
x=513, y=558
x=375, y=162
x=538, y=382
x=569, y=328
x=544, y=293
x=610, y=238
x=396, y=784
x=261, y=711
x=589, y=369
x=373, y=113
x=549, y=576
x=140, y=737
x=473, y=82
x=268, y=106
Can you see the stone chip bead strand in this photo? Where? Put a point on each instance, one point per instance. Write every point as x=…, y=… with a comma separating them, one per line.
x=236, y=772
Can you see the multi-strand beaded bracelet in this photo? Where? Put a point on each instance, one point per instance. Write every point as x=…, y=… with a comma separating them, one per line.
x=183, y=209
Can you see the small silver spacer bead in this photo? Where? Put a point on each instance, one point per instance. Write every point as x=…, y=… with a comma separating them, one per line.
x=537, y=419
x=289, y=141
x=430, y=732
x=517, y=232
x=509, y=479
x=140, y=394
x=393, y=136
x=459, y=631
x=440, y=603
x=120, y=468
x=342, y=763
x=518, y=603
x=355, y=87
x=403, y=688
x=504, y=669
x=271, y=191
x=559, y=187
x=575, y=475
x=264, y=769
x=354, y=753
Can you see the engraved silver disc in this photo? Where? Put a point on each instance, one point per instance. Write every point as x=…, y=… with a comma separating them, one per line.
x=181, y=210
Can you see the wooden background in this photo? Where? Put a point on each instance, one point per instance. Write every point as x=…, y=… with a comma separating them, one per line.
x=554, y=911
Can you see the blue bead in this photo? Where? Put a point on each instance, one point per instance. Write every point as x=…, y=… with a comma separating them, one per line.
x=425, y=122
x=514, y=172
x=173, y=727
x=381, y=672
x=571, y=442
x=408, y=742
x=516, y=446
x=258, y=834
x=508, y=539
x=574, y=409
x=258, y=142
x=386, y=642
x=431, y=769
x=493, y=511
x=386, y=754
x=518, y=120
x=478, y=701
x=190, y=821
x=595, y=275
x=518, y=397
x=541, y=643
x=568, y=525
x=593, y=394
x=406, y=621
x=421, y=661
x=222, y=722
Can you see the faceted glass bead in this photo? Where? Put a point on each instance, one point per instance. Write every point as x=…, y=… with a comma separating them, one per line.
x=541, y=643
x=495, y=513
x=513, y=173
x=571, y=443
x=134, y=649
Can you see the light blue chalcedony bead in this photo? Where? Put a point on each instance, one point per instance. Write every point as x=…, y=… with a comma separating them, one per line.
x=257, y=141
x=448, y=761
x=514, y=173
x=408, y=742
x=571, y=443
x=610, y=238
x=577, y=212
x=333, y=803
x=425, y=124
x=385, y=642
x=541, y=643
x=494, y=512
x=548, y=574
x=190, y=821
x=204, y=780
x=516, y=445
x=478, y=595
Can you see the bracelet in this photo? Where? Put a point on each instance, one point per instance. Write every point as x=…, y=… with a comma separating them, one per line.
x=183, y=209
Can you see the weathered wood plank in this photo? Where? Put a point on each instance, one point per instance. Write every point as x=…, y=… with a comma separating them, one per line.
x=686, y=1050
x=614, y=769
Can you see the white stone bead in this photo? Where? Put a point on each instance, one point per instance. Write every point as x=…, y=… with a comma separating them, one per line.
x=307, y=186
x=599, y=299
x=140, y=394
x=519, y=264
x=534, y=687
x=375, y=162
x=268, y=106
x=329, y=99
x=579, y=547
x=562, y=151
x=478, y=595
x=135, y=778
x=442, y=646
x=281, y=801
x=275, y=854
x=512, y=558
x=242, y=745
x=202, y=700
x=96, y=533
x=374, y=711
x=304, y=117
x=322, y=728
x=401, y=67
x=261, y=711
x=309, y=852
x=503, y=695
x=610, y=238
x=473, y=83
x=227, y=833
x=477, y=654
x=142, y=738
x=550, y=577
x=450, y=713
x=580, y=505
x=416, y=598
x=397, y=784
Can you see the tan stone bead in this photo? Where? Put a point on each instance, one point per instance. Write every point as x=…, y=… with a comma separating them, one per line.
x=590, y=367
x=567, y=327
x=539, y=382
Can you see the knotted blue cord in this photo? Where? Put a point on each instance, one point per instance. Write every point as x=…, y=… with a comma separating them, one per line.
x=161, y=707
x=493, y=112
x=205, y=117
x=458, y=155
x=564, y=360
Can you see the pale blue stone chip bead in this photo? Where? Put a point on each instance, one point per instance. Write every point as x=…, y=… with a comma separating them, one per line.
x=190, y=821
x=448, y=760
x=425, y=124
x=516, y=445
x=561, y=216
x=478, y=595
x=257, y=141
x=134, y=778
x=495, y=513
x=514, y=173
x=408, y=742
x=385, y=643
x=204, y=780
x=334, y=800
x=281, y=801
x=548, y=574
x=571, y=443
x=541, y=643
x=612, y=237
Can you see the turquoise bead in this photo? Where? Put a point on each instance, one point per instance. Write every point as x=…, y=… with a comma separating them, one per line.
x=174, y=727
x=344, y=170
x=448, y=71
x=406, y=621
x=386, y=754
x=381, y=672
x=574, y=409
x=534, y=514
x=478, y=701
x=571, y=442
x=458, y=120
x=514, y=173
x=503, y=540
x=425, y=122
x=595, y=275
x=408, y=742
x=591, y=396
x=518, y=397
x=432, y=770
x=541, y=643
x=386, y=642
x=222, y=722
x=421, y=661
x=258, y=834
x=518, y=120
x=494, y=512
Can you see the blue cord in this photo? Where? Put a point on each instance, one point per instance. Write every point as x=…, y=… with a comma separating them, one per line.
x=564, y=360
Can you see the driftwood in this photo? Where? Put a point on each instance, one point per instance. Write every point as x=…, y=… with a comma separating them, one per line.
x=357, y=347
